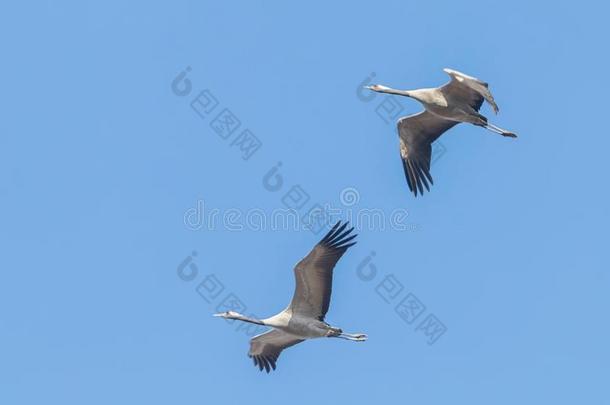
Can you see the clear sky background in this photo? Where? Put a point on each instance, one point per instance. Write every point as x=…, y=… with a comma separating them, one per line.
x=100, y=160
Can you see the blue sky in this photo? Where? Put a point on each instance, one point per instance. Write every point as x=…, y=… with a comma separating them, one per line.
x=101, y=162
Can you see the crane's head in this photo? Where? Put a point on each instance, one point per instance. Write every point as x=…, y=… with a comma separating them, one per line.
x=377, y=87
x=228, y=315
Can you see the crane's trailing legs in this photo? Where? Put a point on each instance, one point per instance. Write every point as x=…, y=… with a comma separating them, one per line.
x=499, y=130
x=358, y=337
x=480, y=120
x=338, y=333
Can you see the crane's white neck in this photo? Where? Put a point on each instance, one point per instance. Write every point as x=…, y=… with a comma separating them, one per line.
x=243, y=318
x=384, y=89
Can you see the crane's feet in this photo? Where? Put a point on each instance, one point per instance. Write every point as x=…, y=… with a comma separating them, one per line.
x=509, y=134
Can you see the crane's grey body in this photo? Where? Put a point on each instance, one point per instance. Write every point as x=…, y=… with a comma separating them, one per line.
x=455, y=102
x=304, y=317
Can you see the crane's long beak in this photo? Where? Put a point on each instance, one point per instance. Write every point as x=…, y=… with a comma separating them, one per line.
x=218, y=315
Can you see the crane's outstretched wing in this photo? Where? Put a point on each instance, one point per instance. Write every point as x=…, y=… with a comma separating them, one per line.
x=416, y=134
x=467, y=89
x=314, y=274
x=266, y=347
